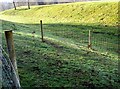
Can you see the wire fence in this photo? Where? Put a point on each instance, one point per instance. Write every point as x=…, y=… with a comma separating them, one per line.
x=28, y=38
x=100, y=38
x=103, y=39
x=9, y=77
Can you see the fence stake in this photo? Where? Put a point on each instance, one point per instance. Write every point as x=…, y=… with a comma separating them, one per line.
x=41, y=31
x=89, y=40
x=11, y=49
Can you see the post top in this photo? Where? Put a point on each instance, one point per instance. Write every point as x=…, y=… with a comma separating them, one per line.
x=7, y=30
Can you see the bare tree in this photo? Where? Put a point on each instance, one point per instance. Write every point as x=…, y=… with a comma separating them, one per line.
x=28, y=4
x=14, y=5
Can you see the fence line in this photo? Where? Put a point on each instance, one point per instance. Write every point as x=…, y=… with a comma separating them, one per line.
x=99, y=41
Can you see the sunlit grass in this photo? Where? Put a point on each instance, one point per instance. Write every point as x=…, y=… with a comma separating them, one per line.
x=61, y=60
x=64, y=60
x=83, y=13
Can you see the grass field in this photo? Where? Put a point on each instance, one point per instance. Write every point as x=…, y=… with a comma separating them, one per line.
x=63, y=60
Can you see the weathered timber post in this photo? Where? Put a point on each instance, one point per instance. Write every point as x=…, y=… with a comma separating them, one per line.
x=12, y=56
x=11, y=49
x=41, y=30
x=89, y=40
x=14, y=5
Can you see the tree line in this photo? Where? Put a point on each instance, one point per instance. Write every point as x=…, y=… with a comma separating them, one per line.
x=28, y=3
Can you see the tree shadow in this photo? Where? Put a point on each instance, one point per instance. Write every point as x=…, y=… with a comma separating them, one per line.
x=100, y=33
x=21, y=9
x=58, y=63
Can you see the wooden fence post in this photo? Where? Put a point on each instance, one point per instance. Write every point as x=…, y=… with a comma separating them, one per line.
x=11, y=49
x=12, y=56
x=41, y=30
x=89, y=40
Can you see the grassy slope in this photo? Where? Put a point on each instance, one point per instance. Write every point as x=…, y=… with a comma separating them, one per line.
x=89, y=12
x=49, y=64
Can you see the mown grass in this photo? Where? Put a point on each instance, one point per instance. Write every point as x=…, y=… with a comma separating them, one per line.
x=57, y=64
x=63, y=60
x=83, y=12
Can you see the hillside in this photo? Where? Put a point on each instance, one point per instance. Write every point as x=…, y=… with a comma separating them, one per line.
x=105, y=13
x=64, y=59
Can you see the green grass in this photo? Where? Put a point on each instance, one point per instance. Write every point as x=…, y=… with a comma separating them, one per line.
x=58, y=64
x=84, y=12
x=64, y=60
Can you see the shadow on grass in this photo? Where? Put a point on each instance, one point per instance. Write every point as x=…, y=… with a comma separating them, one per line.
x=100, y=29
x=103, y=37
x=51, y=64
x=21, y=9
